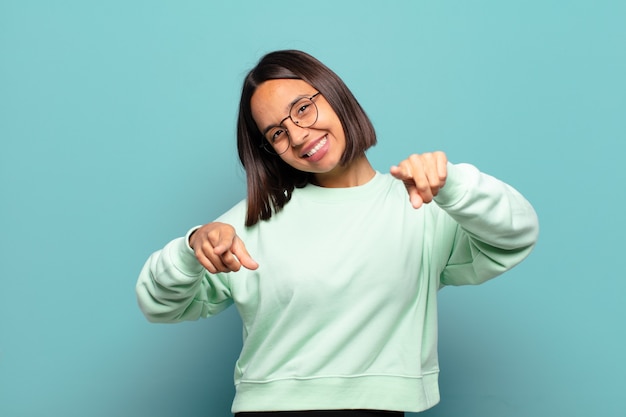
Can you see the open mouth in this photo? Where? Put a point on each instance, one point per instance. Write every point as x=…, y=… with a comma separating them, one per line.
x=316, y=148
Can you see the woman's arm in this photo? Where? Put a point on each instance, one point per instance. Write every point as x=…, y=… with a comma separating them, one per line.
x=490, y=226
x=174, y=285
x=496, y=227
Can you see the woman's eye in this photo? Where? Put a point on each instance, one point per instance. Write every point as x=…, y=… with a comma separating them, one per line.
x=277, y=135
x=302, y=109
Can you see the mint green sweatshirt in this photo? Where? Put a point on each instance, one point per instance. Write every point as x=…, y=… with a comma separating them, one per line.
x=342, y=311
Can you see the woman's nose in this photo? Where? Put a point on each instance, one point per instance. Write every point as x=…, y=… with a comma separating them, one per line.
x=297, y=134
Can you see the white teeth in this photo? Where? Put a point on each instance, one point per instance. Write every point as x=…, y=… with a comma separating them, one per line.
x=317, y=147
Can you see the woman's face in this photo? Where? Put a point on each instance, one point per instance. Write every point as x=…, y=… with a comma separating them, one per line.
x=316, y=149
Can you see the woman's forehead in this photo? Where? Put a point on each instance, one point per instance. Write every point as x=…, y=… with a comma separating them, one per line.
x=272, y=98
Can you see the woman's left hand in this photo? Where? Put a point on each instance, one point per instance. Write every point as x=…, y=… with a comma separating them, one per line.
x=423, y=175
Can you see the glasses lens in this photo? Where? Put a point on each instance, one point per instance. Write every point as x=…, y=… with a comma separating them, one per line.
x=268, y=148
x=304, y=113
x=277, y=140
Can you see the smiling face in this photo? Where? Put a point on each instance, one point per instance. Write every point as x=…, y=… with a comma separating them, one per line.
x=316, y=149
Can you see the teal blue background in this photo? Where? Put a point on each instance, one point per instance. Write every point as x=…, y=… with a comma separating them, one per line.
x=117, y=135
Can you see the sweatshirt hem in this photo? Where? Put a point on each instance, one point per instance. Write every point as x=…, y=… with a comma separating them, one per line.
x=376, y=392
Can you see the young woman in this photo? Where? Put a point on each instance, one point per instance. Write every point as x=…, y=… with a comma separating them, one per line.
x=333, y=266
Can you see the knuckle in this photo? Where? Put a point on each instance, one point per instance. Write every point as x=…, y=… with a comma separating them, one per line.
x=205, y=247
x=413, y=158
x=422, y=186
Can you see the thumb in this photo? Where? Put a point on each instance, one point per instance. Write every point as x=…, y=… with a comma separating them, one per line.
x=401, y=172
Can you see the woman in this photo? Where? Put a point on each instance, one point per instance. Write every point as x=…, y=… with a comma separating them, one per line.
x=339, y=312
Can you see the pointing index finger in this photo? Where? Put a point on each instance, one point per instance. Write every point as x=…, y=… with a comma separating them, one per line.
x=240, y=251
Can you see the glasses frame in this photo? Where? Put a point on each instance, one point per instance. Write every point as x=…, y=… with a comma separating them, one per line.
x=268, y=147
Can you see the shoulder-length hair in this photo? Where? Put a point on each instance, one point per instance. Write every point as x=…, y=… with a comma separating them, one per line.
x=270, y=180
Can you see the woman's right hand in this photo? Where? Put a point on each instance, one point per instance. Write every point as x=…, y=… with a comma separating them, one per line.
x=219, y=249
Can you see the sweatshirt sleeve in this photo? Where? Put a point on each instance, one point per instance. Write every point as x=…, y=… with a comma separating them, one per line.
x=493, y=226
x=173, y=286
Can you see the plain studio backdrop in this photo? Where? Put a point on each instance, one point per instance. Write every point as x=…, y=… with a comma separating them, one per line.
x=117, y=133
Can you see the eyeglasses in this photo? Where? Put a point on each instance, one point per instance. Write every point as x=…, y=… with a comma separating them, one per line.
x=302, y=113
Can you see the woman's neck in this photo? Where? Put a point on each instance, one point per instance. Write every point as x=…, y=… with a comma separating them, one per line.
x=357, y=172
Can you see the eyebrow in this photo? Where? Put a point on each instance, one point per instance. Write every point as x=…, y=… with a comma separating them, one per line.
x=289, y=106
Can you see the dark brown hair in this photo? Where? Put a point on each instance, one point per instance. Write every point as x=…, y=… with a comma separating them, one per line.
x=270, y=180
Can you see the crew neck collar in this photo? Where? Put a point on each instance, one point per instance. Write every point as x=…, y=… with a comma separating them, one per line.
x=328, y=194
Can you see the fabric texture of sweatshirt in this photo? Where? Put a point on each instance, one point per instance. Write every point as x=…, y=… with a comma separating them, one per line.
x=342, y=311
